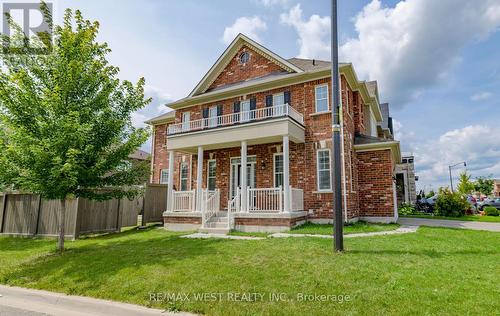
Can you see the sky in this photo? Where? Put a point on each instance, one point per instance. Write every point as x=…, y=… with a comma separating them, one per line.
x=437, y=62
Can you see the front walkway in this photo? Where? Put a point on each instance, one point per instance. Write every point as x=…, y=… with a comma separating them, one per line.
x=20, y=301
x=493, y=227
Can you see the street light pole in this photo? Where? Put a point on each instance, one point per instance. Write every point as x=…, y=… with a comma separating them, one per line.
x=449, y=169
x=338, y=221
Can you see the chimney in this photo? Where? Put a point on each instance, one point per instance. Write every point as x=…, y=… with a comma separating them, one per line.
x=314, y=62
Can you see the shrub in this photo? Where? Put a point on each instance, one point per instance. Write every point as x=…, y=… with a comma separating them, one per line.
x=406, y=209
x=491, y=211
x=451, y=204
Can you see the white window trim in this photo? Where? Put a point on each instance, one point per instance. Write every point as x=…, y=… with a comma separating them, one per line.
x=187, y=176
x=279, y=94
x=274, y=169
x=208, y=170
x=330, y=169
x=161, y=176
x=327, y=99
x=186, y=119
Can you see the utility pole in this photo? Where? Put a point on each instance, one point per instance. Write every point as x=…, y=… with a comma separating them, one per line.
x=338, y=221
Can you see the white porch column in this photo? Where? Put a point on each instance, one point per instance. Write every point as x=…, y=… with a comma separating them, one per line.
x=170, y=188
x=243, y=177
x=286, y=174
x=199, y=179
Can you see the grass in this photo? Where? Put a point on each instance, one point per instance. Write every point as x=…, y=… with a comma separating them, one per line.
x=354, y=228
x=432, y=271
x=327, y=229
x=474, y=218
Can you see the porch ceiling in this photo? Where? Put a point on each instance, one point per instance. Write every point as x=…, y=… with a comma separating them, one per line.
x=261, y=132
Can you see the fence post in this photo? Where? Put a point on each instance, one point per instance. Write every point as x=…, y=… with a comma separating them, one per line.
x=118, y=224
x=38, y=214
x=4, y=207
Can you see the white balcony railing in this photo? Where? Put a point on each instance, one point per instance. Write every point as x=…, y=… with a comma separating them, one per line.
x=236, y=118
x=265, y=200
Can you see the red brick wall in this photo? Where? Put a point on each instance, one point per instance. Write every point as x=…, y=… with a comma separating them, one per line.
x=375, y=183
x=160, y=157
x=257, y=66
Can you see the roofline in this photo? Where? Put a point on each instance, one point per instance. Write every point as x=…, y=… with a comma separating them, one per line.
x=159, y=120
x=219, y=66
x=394, y=146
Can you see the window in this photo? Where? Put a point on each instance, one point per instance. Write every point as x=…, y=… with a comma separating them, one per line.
x=164, y=176
x=186, y=117
x=321, y=94
x=184, y=176
x=278, y=170
x=323, y=165
x=211, y=174
x=212, y=116
x=245, y=110
x=244, y=57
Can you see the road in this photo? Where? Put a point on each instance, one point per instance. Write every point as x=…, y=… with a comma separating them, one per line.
x=15, y=301
x=493, y=227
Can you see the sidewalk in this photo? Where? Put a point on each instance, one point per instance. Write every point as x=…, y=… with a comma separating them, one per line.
x=492, y=227
x=20, y=301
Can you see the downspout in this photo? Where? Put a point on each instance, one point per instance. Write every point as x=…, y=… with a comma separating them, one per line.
x=344, y=184
x=153, y=154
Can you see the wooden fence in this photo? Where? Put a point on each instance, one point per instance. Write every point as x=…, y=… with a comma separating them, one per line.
x=29, y=215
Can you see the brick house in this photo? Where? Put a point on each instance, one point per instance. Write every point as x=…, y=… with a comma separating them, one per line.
x=272, y=115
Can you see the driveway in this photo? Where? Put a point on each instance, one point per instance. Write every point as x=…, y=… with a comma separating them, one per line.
x=492, y=227
x=17, y=301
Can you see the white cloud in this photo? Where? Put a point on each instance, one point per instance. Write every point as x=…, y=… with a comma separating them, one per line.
x=411, y=46
x=314, y=34
x=250, y=26
x=481, y=96
x=477, y=145
x=270, y=3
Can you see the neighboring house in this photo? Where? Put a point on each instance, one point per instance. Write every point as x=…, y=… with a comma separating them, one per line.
x=273, y=116
x=140, y=156
x=406, y=188
x=496, y=187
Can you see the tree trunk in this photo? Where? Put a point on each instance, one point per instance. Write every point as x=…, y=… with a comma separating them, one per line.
x=60, y=244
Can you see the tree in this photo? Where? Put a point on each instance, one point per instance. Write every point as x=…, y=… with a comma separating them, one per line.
x=484, y=185
x=465, y=185
x=65, y=119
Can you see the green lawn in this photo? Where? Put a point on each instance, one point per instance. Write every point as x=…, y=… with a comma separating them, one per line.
x=433, y=271
x=474, y=218
x=327, y=229
x=359, y=227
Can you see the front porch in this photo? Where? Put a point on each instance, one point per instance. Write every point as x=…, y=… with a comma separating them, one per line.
x=236, y=187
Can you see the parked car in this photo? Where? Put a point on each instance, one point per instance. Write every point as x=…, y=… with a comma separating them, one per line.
x=495, y=202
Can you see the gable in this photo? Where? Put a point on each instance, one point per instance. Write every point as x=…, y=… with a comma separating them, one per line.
x=257, y=66
x=227, y=69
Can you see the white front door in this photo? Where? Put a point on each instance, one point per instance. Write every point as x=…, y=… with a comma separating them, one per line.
x=235, y=179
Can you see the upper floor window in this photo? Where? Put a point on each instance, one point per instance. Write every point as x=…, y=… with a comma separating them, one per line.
x=212, y=116
x=245, y=110
x=321, y=97
x=244, y=57
x=186, y=118
x=278, y=102
x=323, y=166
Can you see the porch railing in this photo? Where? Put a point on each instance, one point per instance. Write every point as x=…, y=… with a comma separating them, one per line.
x=236, y=118
x=210, y=203
x=233, y=206
x=265, y=200
x=183, y=201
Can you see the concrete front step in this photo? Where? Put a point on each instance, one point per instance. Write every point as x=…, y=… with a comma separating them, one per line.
x=216, y=224
x=214, y=230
